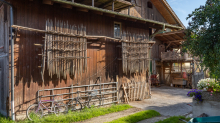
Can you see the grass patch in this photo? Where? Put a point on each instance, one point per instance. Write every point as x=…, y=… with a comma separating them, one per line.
x=3, y=119
x=137, y=117
x=174, y=119
x=85, y=114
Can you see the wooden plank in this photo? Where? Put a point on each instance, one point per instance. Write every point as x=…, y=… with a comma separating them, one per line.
x=144, y=91
x=138, y=90
x=48, y=2
x=129, y=92
x=135, y=91
x=126, y=96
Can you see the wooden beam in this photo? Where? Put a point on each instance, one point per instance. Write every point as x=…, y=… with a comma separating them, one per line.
x=175, y=41
x=180, y=36
x=97, y=12
x=130, y=19
x=165, y=38
x=141, y=21
x=66, y=6
x=170, y=33
x=93, y=39
x=168, y=45
x=82, y=9
x=124, y=2
x=123, y=18
x=48, y=2
x=110, y=15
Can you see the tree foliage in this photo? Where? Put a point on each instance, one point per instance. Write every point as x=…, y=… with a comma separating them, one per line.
x=203, y=35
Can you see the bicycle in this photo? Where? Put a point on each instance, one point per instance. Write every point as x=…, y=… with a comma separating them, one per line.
x=76, y=104
x=36, y=110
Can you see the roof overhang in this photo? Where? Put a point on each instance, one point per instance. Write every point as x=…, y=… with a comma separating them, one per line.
x=167, y=12
x=172, y=38
x=107, y=4
x=117, y=14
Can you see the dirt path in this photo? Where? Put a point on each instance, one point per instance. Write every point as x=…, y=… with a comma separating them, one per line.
x=112, y=116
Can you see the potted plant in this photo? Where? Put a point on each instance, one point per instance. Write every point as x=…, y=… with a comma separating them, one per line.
x=196, y=94
x=208, y=85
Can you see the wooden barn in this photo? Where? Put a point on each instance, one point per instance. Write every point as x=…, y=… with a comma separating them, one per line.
x=52, y=47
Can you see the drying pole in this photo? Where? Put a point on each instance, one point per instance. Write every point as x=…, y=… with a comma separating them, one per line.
x=12, y=66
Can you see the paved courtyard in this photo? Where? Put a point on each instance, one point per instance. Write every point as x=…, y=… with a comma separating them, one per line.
x=169, y=101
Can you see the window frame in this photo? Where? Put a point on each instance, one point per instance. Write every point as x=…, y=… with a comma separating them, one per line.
x=115, y=22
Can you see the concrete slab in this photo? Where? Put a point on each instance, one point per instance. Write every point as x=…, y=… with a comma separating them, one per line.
x=169, y=101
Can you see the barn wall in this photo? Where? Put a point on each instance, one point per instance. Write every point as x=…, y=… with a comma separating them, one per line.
x=103, y=53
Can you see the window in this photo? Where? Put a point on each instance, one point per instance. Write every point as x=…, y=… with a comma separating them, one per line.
x=117, y=29
x=150, y=31
x=149, y=5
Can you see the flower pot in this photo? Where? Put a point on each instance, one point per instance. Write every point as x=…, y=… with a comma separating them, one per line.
x=210, y=89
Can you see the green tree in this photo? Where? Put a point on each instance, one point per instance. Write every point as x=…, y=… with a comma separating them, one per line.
x=203, y=36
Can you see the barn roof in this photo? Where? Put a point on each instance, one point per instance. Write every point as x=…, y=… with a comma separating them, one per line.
x=84, y=7
x=169, y=15
x=172, y=38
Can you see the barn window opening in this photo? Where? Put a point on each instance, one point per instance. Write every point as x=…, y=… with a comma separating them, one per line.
x=117, y=30
x=149, y=5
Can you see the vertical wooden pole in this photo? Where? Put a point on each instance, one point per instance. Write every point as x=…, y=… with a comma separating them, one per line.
x=113, y=5
x=129, y=10
x=93, y=3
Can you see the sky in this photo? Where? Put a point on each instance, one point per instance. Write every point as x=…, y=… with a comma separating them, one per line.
x=184, y=7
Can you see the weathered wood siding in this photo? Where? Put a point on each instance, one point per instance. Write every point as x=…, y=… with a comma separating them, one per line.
x=102, y=53
x=141, y=10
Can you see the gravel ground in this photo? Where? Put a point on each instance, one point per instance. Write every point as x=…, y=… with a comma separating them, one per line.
x=168, y=101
